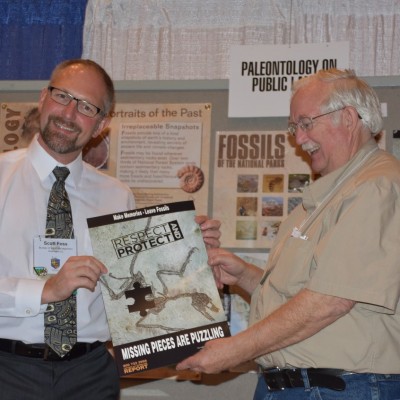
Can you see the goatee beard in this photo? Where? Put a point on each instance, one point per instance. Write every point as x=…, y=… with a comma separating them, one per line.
x=58, y=142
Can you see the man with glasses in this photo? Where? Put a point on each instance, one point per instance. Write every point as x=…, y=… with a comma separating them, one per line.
x=325, y=321
x=74, y=108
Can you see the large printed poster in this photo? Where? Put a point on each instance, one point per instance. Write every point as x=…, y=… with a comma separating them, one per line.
x=259, y=177
x=161, y=300
x=162, y=152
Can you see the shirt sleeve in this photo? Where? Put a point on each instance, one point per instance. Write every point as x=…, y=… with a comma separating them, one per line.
x=21, y=297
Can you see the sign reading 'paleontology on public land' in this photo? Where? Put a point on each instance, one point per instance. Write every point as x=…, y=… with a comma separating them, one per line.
x=261, y=76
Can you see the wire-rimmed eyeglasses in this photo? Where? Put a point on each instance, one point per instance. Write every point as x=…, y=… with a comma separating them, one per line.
x=64, y=98
x=306, y=123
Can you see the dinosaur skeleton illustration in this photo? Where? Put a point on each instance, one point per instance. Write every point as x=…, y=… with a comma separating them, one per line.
x=201, y=302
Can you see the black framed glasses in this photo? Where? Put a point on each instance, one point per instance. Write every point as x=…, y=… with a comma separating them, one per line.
x=306, y=123
x=64, y=98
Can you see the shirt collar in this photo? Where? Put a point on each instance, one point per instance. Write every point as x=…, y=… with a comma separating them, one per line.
x=316, y=192
x=44, y=163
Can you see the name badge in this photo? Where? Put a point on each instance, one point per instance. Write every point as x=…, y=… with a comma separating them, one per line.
x=49, y=255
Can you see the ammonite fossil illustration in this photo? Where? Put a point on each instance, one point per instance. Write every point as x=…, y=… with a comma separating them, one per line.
x=191, y=178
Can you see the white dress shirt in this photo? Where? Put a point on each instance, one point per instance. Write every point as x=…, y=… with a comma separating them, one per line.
x=26, y=179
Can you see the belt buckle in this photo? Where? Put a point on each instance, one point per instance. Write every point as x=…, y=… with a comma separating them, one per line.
x=276, y=379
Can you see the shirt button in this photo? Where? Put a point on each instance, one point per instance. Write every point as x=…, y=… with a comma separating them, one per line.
x=28, y=311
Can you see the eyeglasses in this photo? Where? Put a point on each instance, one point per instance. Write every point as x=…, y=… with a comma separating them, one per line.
x=64, y=98
x=306, y=123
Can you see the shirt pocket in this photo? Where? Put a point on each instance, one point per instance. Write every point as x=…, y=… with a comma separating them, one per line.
x=293, y=268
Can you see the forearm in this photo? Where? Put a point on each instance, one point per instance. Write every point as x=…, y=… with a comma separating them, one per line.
x=229, y=269
x=251, y=277
x=300, y=318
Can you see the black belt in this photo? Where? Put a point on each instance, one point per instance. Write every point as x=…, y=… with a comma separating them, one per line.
x=279, y=379
x=45, y=352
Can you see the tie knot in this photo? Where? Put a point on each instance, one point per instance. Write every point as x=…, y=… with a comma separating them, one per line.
x=61, y=173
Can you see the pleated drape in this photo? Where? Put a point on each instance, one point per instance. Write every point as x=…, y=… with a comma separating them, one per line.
x=35, y=35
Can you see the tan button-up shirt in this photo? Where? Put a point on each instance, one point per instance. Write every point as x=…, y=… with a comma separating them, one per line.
x=352, y=251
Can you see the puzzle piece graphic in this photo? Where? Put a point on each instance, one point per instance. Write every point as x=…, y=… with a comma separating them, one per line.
x=139, y=294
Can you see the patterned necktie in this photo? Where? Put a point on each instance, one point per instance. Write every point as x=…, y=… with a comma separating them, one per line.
x=60, y=316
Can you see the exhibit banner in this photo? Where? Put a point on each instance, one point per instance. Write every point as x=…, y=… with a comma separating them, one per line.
x=161, y=151
x=261, y=76
x=259, y=177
